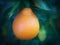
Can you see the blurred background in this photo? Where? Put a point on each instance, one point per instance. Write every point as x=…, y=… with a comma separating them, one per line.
x=48, y=13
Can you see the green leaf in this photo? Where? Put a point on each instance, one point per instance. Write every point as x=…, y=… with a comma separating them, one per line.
x=13, y=9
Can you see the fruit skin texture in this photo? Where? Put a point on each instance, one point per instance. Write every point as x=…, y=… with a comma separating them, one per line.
x=25, y=25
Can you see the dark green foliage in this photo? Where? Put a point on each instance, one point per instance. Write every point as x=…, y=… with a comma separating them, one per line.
x=48, y=13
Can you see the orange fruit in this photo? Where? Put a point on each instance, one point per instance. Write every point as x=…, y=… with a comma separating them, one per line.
x=26, y=25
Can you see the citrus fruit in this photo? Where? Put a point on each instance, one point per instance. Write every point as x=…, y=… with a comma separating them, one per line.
x=25, y=25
